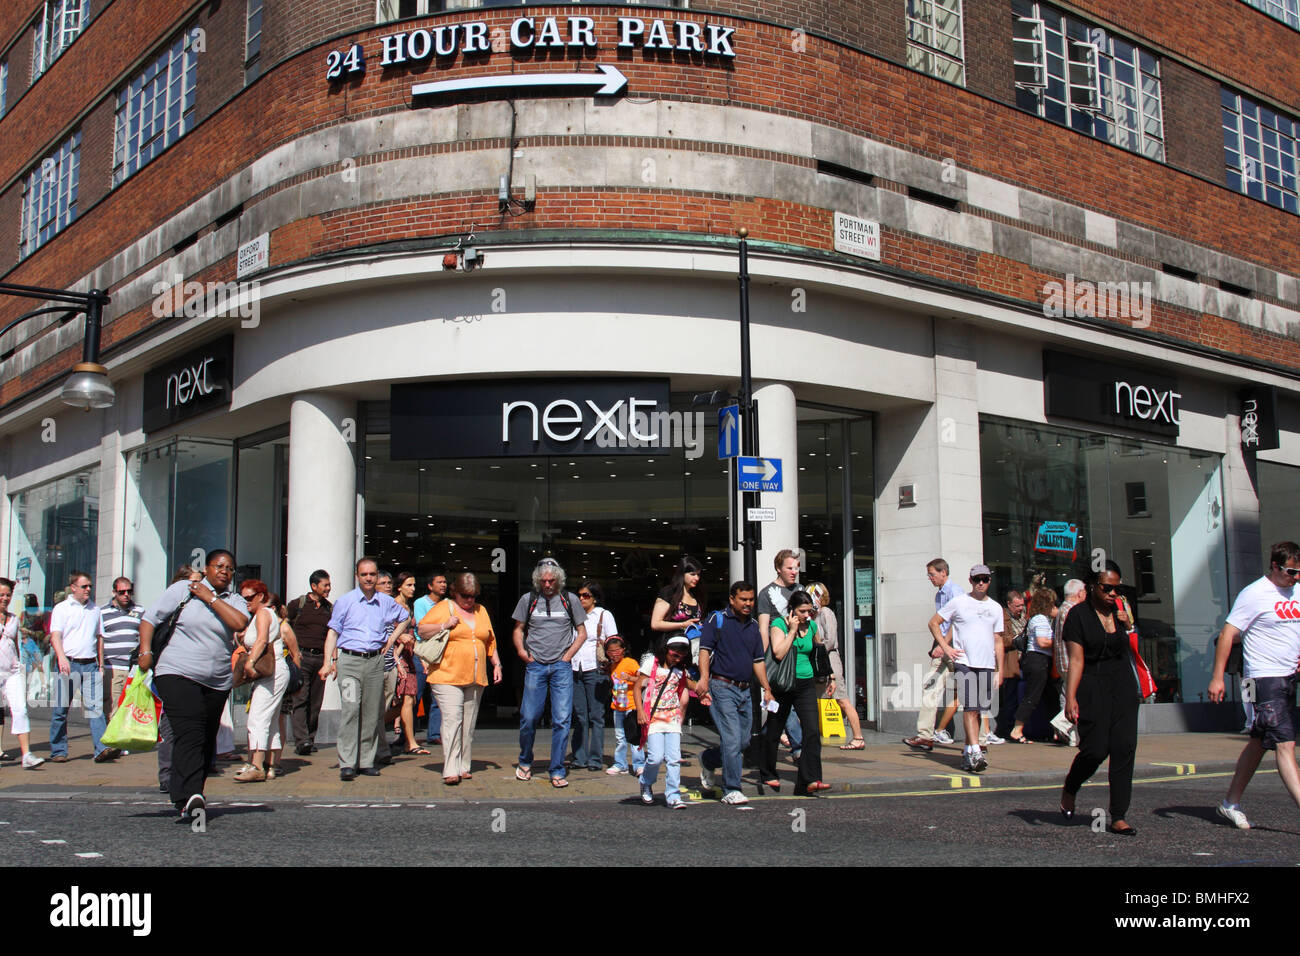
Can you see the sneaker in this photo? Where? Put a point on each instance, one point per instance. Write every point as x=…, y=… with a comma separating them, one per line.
x=734, y=797
x=992, y=739
x=707, y=779
x=647, y=796
x=1232, y=813
x=979, y=764
x=109, y=753
x=250, y=775
x=676, y=805
x=193, y=804
x=966, y=761
x=614, y=771
x=942, y=737
x=31, y=761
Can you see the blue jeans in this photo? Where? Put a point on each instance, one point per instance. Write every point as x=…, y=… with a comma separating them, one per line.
x=664, y=748
x=539, y=679
x=588, y=743
x=730, y=710
x=794, y=730
x=627, y=736
x=90, y=680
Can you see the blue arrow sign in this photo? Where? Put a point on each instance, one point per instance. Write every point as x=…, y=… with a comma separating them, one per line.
x=728, y=432
x=758, y=474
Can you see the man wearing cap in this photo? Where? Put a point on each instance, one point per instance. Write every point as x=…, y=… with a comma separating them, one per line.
x=976, y=621
x=731, y=658
x=548, y=633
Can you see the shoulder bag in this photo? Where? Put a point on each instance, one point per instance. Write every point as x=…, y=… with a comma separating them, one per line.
x=780, y=673
x=430, y=650
x=264, y=666
x=821, y=659
x=650, y=715
x=162, y=634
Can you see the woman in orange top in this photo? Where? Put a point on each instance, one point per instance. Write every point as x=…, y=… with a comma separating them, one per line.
x=458, y=680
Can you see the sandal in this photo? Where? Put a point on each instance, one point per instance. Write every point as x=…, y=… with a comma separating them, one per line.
x=417, y=752
x=467, y=776
x=858, y=743
x=775, y=785
x=451, y=781
x=559, y=782
x=817, y=786
x=1018, y=740
x=523, y=773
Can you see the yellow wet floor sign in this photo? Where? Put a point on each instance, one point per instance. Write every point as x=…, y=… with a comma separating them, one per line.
x=832, y=718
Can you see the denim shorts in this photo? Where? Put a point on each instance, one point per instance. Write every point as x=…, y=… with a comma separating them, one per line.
x=974, y=687
x=1274, y=698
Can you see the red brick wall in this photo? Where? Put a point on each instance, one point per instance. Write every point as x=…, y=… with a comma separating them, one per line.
x=824, y=82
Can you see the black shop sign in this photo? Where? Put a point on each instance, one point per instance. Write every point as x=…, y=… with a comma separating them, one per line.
x=188, y=385
x=1124, y=396
x=532, y=417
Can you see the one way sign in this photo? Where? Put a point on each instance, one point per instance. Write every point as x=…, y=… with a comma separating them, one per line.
x=728, y=432
x=759, y=474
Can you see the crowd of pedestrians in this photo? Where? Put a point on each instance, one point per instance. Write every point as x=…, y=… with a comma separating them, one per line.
x=764, y=666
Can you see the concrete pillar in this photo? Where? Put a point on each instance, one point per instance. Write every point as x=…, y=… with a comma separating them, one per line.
x=322, y=508
x=112, y=515
x=777, y=438
x=935, y=449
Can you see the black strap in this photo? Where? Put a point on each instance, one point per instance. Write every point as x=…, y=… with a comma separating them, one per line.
x=537, y=596
x=649, y=719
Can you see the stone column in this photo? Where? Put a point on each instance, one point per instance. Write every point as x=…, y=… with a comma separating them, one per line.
x=777, y=438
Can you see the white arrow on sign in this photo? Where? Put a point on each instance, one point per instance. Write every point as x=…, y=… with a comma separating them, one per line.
x=610, y=80
x=728, y=430
x=767, y=468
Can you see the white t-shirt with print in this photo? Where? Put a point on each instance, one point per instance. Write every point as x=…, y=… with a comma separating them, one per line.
x=974, y=624
x=1270, y=642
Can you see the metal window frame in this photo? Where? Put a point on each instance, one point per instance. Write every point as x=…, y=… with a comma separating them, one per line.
x=49, y=206
x=134, y=146
x=1037, y=48
x=928, y=47
x=1248, y=161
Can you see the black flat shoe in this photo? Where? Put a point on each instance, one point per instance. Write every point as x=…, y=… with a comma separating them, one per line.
x=1068, y=814
x=1127, y=831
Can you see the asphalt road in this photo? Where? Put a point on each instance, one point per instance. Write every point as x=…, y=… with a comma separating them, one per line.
x=1010, y=828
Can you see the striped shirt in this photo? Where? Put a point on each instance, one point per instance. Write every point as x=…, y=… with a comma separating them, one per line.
x=121, y=633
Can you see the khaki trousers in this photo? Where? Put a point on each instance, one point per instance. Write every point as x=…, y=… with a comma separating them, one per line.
x=459, y=706
x=932, y=696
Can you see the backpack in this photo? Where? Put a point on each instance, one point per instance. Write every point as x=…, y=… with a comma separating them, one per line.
x=537, y=596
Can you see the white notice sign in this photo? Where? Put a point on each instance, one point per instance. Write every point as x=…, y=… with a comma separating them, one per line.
x=254, y=255
x=857, y=237
x=760, y=514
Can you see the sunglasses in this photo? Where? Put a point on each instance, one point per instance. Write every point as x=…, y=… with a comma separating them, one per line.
x=125, y=590
x=1294, y=572
x=1109, y=588
x=584, y=594
x=982, y=579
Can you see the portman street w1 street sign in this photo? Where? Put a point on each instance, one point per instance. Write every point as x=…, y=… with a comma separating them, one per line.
x=728, y=432
x=758, y=474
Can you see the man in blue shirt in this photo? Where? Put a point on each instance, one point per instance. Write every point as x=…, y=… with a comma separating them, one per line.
x=731, y=657
x=937, y=678
x=437, y=587
x=354, y=649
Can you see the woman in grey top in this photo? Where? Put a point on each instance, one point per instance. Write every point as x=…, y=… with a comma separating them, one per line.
x=192, y=675
x=837, y=688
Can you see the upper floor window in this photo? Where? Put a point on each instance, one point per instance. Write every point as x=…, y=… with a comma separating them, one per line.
x=389, y=10
x=4, y=87
x=57, y=26
x=253, y=42
x=155, y=108
x=1262, y=150
x=1288, y=11
x=1080, y=76
x=50, y=195
x=934, y=39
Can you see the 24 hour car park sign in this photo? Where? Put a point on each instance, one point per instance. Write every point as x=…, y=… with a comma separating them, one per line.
x=475, y=38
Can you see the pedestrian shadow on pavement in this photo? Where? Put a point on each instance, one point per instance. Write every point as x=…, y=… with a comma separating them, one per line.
x=1043, y=817
x=1208, y=815
x=214, y=811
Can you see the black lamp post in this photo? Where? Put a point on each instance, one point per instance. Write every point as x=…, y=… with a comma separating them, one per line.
x=88, y=386
x=748, y=421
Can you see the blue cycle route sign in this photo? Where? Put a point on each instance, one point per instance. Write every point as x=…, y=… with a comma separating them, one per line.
x=758, y=474
x=728, y=432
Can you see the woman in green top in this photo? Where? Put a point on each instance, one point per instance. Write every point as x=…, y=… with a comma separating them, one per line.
x=796, y=633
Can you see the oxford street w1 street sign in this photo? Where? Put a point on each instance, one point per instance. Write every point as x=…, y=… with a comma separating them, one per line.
x=758, y=474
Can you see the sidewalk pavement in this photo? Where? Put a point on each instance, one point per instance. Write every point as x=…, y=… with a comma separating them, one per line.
x=885, y=766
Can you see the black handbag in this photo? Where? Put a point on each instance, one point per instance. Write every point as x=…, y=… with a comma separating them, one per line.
x=780, y=673
x=295, y=676
x=162, y=634
x=821, y=663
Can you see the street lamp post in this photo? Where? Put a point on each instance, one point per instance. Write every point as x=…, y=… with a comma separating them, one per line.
x=88, y=386
x=748, y=422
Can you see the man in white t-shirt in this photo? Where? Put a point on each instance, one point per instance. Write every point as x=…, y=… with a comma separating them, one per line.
x=1267, y=617
x=77, y=637
x=976, y=621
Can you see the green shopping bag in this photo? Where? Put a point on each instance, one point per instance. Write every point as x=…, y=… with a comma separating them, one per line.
x=134, y=725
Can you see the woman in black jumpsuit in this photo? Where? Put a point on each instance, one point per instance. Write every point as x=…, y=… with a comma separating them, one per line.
x=1102, y=695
